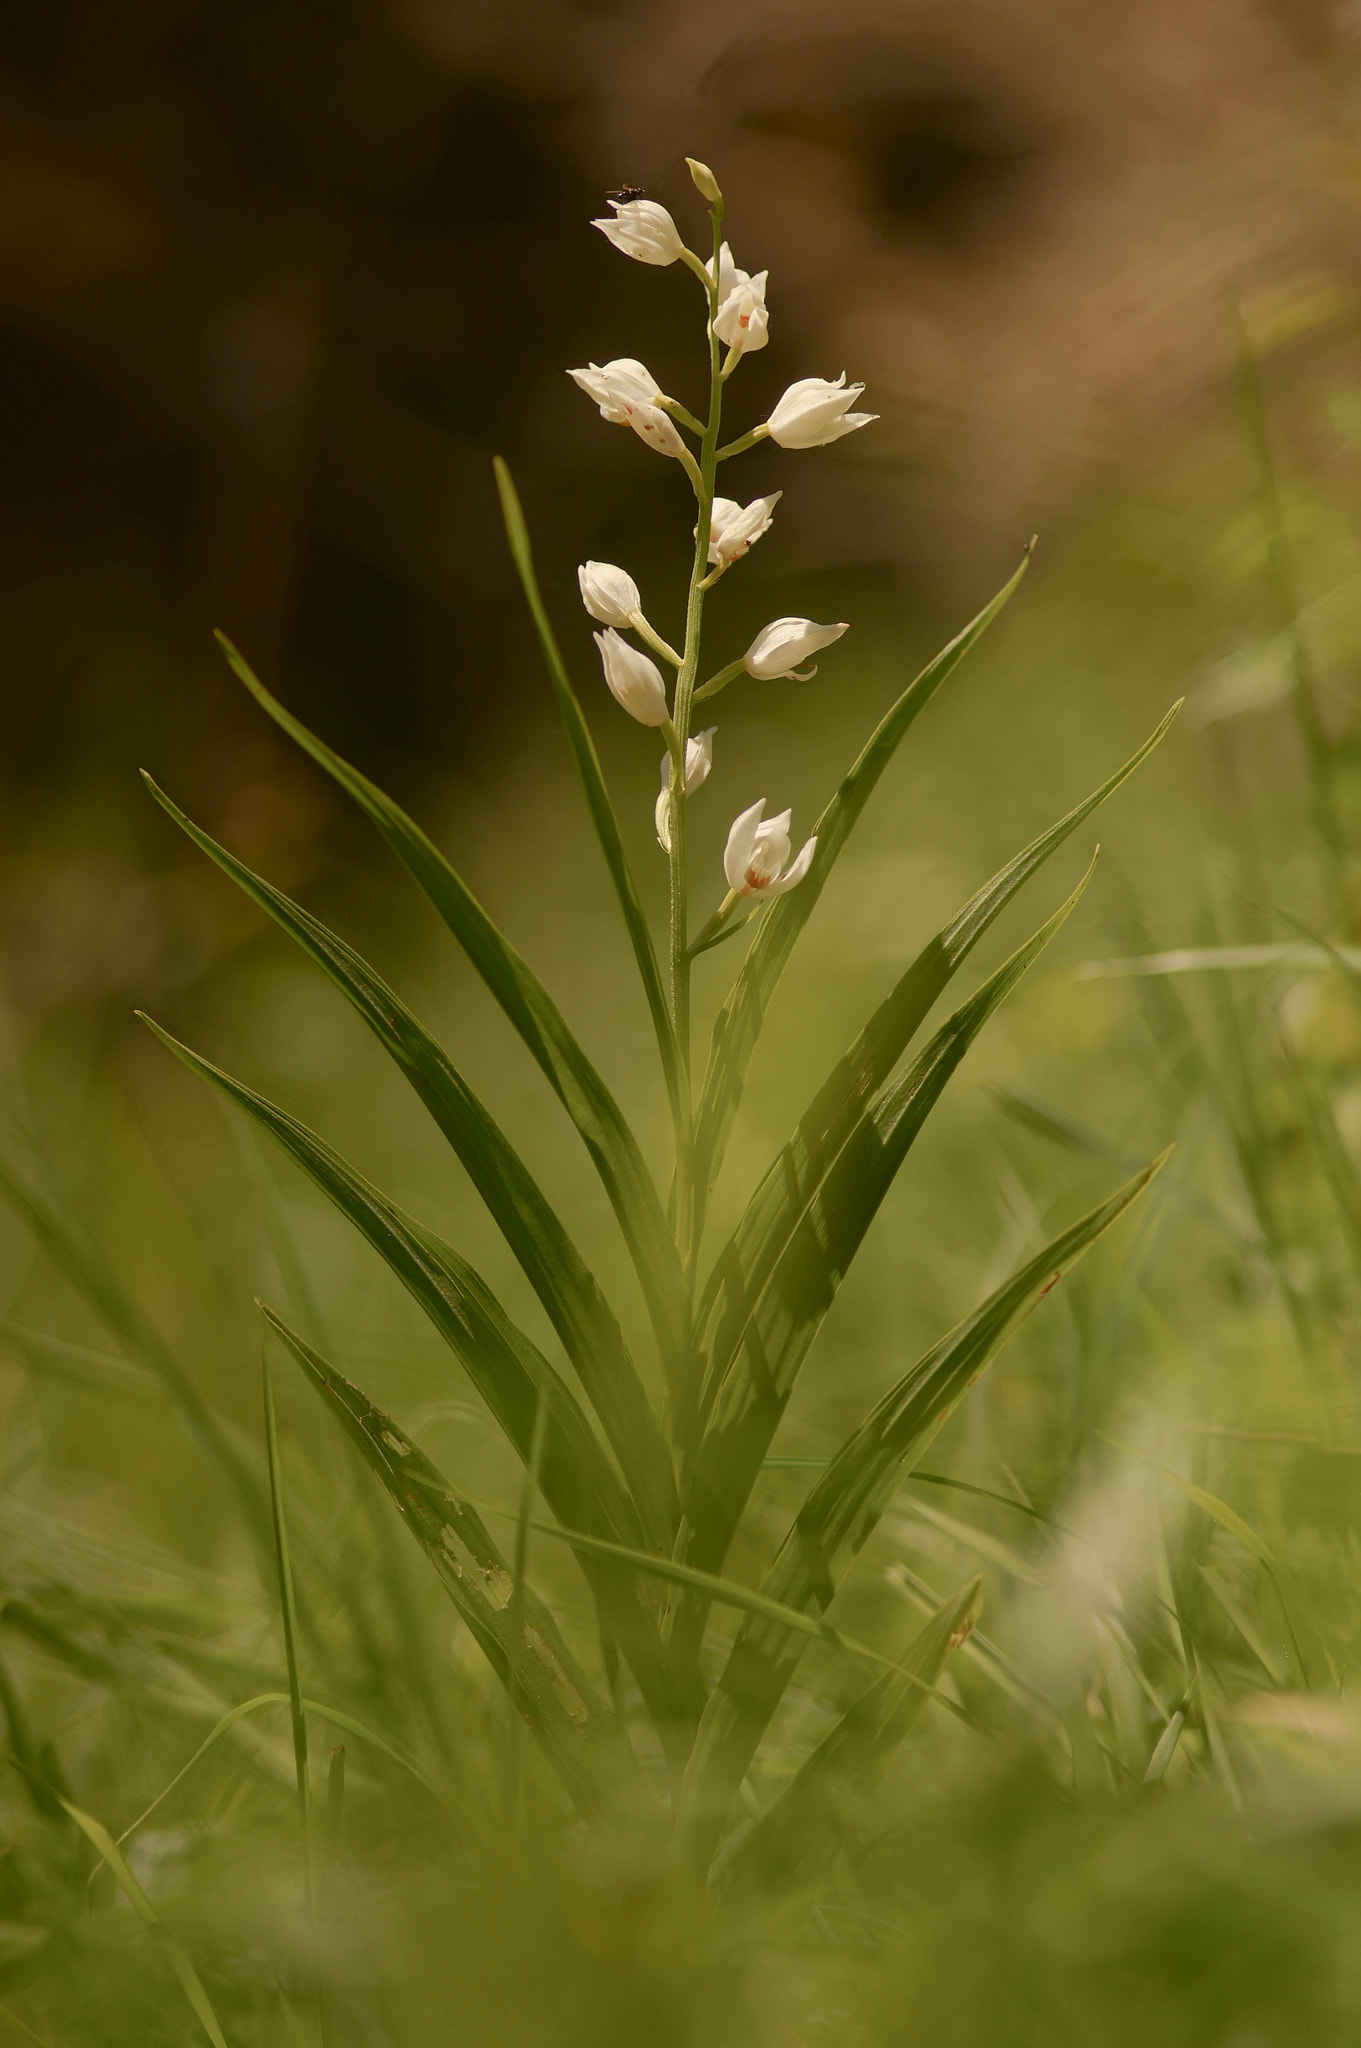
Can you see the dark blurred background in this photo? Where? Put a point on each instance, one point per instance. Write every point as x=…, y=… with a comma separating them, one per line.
x=276, y=281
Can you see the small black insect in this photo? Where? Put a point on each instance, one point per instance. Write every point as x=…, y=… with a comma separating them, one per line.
x=625, y=196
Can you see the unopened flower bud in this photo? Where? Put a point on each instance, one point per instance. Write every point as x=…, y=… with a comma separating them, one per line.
x=617, y=386
x=814, y=412
x=779, y=647
x=755, y=855
x=734, y=527
x=705, y=183
x=699, y=759
x=655, y=427
x=643, y=230
x=609, y=594
x=634, y=680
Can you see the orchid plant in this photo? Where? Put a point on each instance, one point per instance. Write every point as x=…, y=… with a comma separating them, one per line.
x=648, y=1493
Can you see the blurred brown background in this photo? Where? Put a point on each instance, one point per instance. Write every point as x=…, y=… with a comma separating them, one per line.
x=279, y=279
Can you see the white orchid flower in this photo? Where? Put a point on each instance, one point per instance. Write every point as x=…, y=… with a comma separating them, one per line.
x=635, y=681
x=814, y=412
x=643, y=230
x=734, y=527
x=609, y=594
x=755, y=856
x=654, y=427
x=779, y=647
x=699, y=759
x=729, y=276
x=742, y=322
x=618, y=385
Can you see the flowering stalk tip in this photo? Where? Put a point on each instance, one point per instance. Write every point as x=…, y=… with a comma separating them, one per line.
x=705, y=183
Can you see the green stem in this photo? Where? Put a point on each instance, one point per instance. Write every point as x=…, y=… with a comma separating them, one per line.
x=719, y=682
x=654, y=640
x=743, y=442
x=1281, y=573
x=681, y=415
x=685, y=689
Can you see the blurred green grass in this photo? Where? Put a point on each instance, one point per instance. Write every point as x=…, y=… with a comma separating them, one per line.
x=1016, y=1880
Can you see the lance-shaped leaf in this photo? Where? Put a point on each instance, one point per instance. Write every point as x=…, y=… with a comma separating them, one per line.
x=801, y=1829
x=540, y=1023
x=746, y=1403
x=89, y=1272
x=554, y=1267
x=738, y=1024
x=593, y=783
x=775, y=1209
x=843, y=1508
x=521, y=1639
x=510, y=1373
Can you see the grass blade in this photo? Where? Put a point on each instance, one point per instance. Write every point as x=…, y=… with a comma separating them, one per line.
x=739, y=1021
x=784, y=1193
x=289, y=1611
x=334, y=1715
x=844, y=1507
x=749, y=1386
x=86, y=1269
x=593, y=783
x=551, y=1262
x=510, y=1373
x=522, y=1641
x=141, y=1905
x=539, y=1022
x=801, y=1828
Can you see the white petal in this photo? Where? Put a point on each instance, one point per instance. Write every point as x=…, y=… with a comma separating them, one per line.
x=662, y=815
x=609, y=594
x=656, y=428
x=796, y=870
x=742, y=845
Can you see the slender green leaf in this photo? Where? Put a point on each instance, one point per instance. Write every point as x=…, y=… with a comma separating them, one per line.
x=844, y=1507
x=509, y=1372
x=739, y=1022
x=151, y=1919
x=800, y=1829
x=522, y=1641
x=784, y=1193
x=723, y=1592
x=86, y=1269
x=749, y=1385
x=288, y=1606
x=555, y=1269
x=536, y=1017
x=334, y=1715
x=593, y=782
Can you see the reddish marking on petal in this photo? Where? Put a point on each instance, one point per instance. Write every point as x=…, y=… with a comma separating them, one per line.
x=756, y=882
